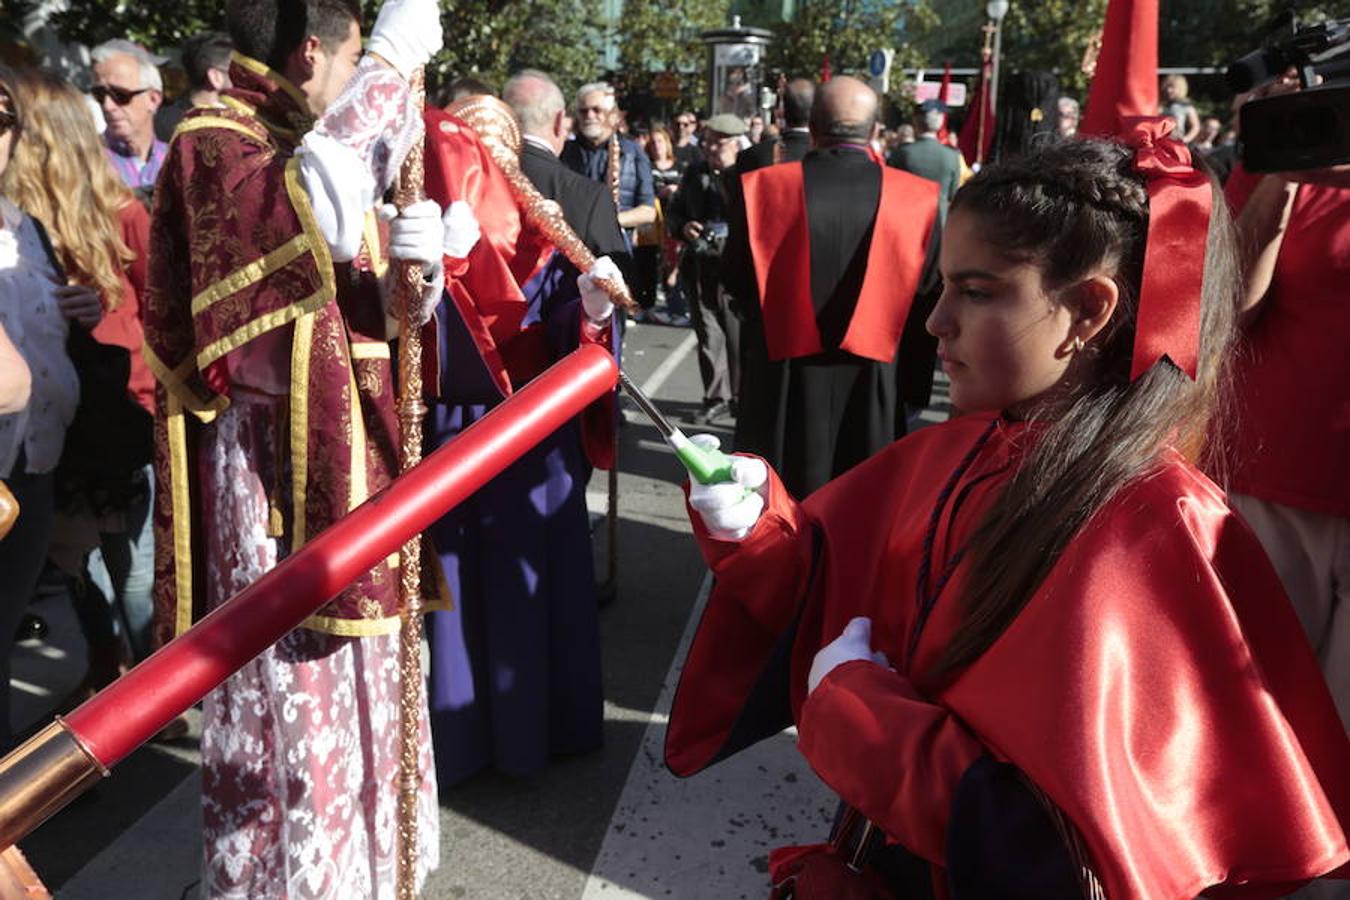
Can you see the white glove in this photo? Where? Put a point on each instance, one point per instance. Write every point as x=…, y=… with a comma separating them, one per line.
x=594, y=300
x=407, y=33
x=417, y=234
x=730, y=510
x=461, y=230
x=854, y=643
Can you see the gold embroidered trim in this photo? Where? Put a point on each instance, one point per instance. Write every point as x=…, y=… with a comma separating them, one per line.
x=370, y=350
x=290, y=135
x=176, y=425
x=302, y=344
x=175, y=383
x=251, y=273
x=379, y=263
x=260, y=68
x=198, y=123
x=323, y=261
x=353, y=627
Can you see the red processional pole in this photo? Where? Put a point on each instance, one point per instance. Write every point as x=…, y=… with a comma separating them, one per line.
x=60, y=762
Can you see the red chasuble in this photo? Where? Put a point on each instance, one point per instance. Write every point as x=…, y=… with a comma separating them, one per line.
x=486, y=287
x=235, y=255
x=780, y=244
x=1157, y=687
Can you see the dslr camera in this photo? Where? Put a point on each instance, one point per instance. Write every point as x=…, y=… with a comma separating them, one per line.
x=1306, y=129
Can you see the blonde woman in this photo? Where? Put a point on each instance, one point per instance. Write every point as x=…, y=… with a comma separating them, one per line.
x=61, y=176
x=34, y=311
x=1176, y=103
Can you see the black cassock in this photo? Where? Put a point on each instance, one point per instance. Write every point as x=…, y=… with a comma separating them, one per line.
x=814, y=417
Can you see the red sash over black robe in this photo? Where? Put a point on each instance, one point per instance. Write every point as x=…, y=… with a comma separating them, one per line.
x=1157, y=687
x=775, y=207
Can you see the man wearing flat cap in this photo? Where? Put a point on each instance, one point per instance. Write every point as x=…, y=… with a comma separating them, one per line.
x=698, y=217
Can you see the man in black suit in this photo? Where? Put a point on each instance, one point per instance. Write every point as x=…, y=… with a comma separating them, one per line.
x=795, y=140
x=837, y=245
x=587, y=206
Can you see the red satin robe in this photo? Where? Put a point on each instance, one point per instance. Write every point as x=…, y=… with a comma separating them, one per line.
x=1157, y=687
x=485, y=288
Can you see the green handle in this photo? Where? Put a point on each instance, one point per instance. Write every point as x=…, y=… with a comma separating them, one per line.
x=705, y=466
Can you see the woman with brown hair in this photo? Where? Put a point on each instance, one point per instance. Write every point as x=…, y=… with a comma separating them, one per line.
x=1033, y=645
x=35, y=309
x=61, y=176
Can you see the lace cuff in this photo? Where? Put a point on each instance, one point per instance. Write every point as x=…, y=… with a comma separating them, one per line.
x=355, y=150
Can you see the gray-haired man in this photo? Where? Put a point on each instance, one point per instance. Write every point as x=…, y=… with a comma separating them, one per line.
x=596, y=115
x=128, y=88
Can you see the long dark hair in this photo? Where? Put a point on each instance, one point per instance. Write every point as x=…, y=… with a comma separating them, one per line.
x=1073, y=208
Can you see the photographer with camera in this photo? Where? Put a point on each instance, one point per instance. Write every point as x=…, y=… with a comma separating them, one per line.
x=1293, y=406
x=698, y=217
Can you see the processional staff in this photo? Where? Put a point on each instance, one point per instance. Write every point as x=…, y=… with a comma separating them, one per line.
x=410, y=414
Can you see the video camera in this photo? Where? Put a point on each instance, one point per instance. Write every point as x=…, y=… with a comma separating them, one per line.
x=1307, y=129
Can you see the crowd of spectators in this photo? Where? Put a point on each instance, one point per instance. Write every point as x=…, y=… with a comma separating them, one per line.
x=77, y=176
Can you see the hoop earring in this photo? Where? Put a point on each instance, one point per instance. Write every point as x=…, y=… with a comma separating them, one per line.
x=1077, y=345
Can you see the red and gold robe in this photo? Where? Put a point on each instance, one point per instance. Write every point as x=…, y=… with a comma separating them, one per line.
x=236, y=254
x=1157, y=687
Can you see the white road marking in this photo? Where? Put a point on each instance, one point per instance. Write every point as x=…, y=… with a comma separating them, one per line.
x=669, y=365
x=708, y=836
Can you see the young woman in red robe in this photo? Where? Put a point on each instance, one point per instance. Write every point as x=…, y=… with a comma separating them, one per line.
x=1033, y=645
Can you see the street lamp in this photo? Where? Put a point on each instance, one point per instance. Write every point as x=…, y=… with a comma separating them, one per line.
x=996, y=9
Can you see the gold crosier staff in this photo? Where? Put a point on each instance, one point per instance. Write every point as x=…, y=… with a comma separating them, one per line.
x=496, y=127
x=409, y=285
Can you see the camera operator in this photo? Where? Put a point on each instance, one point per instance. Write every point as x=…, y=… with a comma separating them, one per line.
x=698, y=217
x=1293, y=435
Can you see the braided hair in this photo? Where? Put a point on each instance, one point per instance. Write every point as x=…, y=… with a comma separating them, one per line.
x=1073, y=209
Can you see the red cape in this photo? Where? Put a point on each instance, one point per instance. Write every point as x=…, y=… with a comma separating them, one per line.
x=780, y=244
x=1157, y=687
x=486, y=287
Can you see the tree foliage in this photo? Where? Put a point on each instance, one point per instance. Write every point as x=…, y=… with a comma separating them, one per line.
x=157, y=25
x=485, y=38
x=846, y=32
x=1052, y=35
x=652, y=40
x=490, y=39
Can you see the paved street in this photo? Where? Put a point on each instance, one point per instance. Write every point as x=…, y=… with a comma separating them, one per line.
x=608, y=825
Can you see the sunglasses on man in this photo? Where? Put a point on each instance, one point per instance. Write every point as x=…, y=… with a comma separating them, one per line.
x=120, y=96
x=7, y=122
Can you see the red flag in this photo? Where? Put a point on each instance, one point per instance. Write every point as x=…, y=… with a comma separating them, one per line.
x=976, y=141
x=942, y=98
x=1126, y=81
x=825, y=69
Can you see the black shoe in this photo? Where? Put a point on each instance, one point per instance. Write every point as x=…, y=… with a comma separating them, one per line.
x=711, y=411
x=31, y=628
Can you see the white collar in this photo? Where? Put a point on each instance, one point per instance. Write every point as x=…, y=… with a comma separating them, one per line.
x=538, y=142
